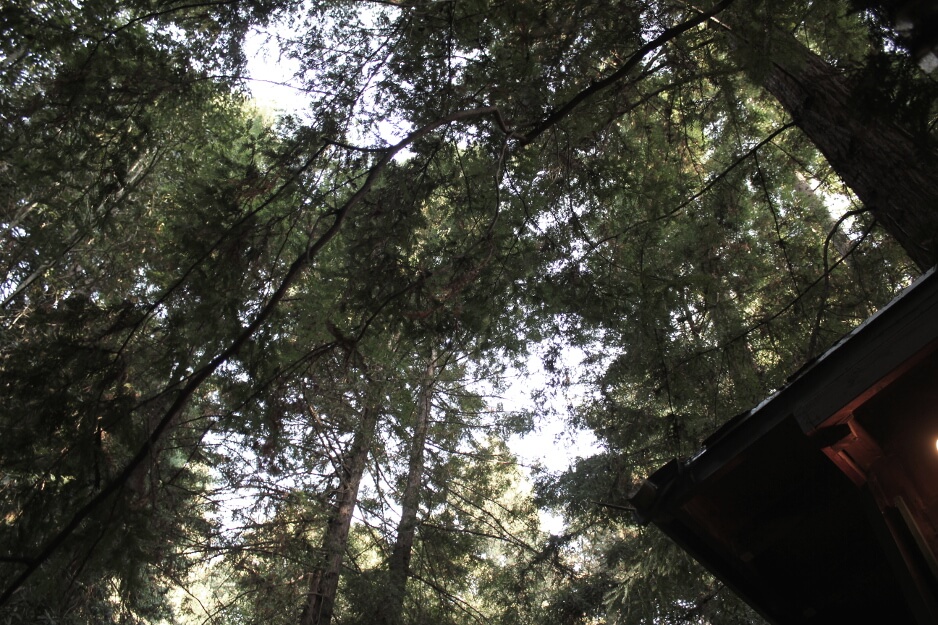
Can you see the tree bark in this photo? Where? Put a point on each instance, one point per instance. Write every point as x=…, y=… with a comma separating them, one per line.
x=399, y=563
x=894, y=176
x=324, y=581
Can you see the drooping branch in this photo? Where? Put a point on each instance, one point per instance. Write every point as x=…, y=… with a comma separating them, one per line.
x=764, y=321
x=195, y=381
x=700, y=193
x=630, y=63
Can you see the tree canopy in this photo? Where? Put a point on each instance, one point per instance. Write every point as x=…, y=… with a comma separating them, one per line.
x=252, y=364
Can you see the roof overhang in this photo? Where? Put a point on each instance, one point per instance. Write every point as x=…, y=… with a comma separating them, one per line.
x=821, y=504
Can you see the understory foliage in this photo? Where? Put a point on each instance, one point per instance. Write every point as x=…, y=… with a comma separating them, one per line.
x=254, y=367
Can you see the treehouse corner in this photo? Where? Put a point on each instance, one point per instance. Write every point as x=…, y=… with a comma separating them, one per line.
x=820, y=505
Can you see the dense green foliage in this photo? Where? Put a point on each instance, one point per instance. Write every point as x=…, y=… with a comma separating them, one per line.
x=250, y=366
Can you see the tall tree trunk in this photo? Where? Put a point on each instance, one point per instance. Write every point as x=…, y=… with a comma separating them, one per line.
x=399, y=563
x=894, y=176
x=324, y=581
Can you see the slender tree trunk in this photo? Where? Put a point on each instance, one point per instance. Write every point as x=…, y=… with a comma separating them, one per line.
x=399, y=563
x=895, y=176
x=324, y=581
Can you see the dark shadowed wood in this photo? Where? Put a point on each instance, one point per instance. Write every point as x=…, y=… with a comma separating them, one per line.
x=324, y=581
x=892, y=174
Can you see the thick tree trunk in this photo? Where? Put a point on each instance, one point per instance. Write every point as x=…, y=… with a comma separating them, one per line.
x=324, y=580
x=893, y=175
x=399, y=563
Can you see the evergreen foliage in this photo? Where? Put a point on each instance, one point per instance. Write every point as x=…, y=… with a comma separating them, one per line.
x=250, y=366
